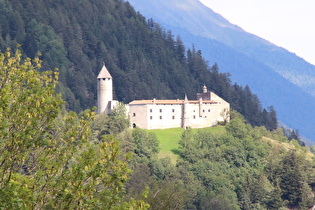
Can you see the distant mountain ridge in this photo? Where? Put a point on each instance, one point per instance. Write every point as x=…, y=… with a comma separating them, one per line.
x=199, y=20
x=278, y=77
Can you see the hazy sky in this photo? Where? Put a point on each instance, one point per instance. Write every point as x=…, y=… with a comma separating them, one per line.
x=287, y=23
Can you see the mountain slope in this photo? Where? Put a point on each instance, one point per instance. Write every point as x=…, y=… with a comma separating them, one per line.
x=144, y=60
x=270, y=71
x=199, y=20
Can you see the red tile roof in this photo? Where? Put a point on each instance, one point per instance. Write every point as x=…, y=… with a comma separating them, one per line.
x=141, y=102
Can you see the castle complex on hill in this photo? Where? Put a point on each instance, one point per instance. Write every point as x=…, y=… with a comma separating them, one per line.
x=208, y=110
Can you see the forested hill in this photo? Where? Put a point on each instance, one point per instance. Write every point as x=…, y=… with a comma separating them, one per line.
x=145, y=60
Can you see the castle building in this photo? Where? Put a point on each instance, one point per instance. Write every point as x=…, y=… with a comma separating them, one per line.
x=208, y=110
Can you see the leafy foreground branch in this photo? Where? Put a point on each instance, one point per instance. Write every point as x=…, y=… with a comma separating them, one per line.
x=46, y=160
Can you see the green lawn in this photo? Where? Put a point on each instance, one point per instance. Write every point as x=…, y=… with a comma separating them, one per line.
x=169, y=139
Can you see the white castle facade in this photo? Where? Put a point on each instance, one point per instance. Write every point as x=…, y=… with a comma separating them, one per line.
x=208, y=110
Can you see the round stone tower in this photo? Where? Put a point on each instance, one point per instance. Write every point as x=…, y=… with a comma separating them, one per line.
x=104, y=91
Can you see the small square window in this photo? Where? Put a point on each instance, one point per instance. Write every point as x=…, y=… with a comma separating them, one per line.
x=173, y=110
x=160, y=117
x=173, y=117
x=160, y=110
x=151, y=117
x=203, y=110
x=134, y=114
x=194, y=116
x=208, y=110
x=151, y=110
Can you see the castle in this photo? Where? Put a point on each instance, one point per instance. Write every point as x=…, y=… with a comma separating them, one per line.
x=207, y=110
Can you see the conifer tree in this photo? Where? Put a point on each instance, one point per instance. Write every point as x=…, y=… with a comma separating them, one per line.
x=293, y=182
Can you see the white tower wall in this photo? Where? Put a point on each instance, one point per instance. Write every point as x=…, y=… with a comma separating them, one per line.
x=105, y=94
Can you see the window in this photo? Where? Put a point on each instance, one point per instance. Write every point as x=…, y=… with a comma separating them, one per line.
x=151, y=110
x=173, y=117
x=104, y=78
x=134, y=114
x=208, y=110
x=160, y=110
x=194, y=116
x=160, y=117
x=151, y=117
x=173, y=110
x=203, y=110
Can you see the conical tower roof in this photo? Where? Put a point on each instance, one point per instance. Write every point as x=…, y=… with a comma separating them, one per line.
x=104, y=73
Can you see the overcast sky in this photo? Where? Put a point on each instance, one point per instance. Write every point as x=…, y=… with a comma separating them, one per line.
x=287, y=23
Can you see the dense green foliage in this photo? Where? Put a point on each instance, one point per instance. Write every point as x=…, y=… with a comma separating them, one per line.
x=146, y=61
x=46, y=158
x=51, y=159
x=244, y=167
x=238, y=169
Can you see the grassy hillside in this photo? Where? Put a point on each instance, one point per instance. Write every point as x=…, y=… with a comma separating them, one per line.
x=267, y=168
x=169, y=139
x=292, y=145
